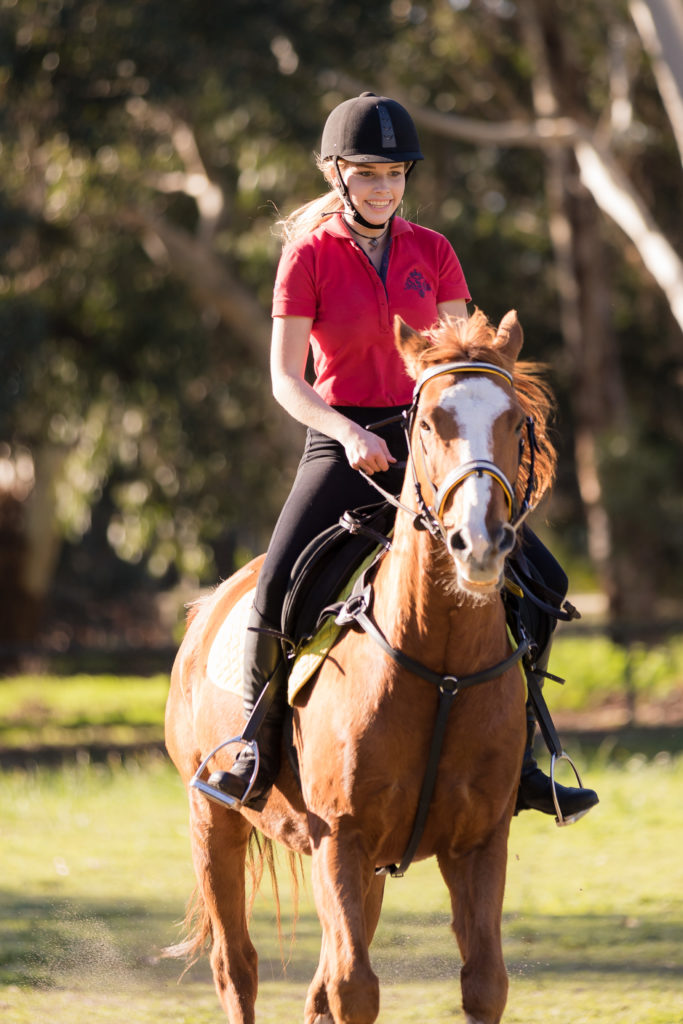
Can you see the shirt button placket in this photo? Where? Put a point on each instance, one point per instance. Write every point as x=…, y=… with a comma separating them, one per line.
x=383, y=304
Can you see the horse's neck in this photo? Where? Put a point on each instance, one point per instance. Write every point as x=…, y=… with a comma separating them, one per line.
x=416, y=605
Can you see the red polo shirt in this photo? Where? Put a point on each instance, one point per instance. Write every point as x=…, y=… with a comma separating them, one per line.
x=328, y=277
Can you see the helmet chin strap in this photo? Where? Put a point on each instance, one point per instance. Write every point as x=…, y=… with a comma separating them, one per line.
x=350, y=209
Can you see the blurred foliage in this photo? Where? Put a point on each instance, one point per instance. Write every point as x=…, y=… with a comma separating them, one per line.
x=595, y=668
x=205, y=116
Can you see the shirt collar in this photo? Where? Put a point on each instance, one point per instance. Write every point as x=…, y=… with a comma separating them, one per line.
x=335, y=226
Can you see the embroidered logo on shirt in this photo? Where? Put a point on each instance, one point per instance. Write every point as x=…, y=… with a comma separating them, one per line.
x=418, y=283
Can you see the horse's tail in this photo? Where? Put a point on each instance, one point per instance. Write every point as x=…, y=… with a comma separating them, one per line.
x=261, y=855
x=197, y=922
x=197, y=929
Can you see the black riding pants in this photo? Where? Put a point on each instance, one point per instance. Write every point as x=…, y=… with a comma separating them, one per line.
x=324, y=488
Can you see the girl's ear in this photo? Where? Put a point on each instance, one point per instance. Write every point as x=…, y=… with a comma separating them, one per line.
x=411, y=346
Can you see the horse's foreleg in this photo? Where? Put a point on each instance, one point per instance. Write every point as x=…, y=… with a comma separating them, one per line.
x=476, y=883
x=219, y=845
x=373, y=904
x=317, y=1010
x=317, y=1006
x=345, y=891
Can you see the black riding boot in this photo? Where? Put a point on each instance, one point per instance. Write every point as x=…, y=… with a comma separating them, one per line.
x=535, y=791
x=263, y=667
x=538, y=573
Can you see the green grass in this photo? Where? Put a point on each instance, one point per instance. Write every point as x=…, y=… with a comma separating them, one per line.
x=81, y=710
x=96, y=871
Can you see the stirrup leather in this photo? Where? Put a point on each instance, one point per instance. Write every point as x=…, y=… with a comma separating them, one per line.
x=215, y=794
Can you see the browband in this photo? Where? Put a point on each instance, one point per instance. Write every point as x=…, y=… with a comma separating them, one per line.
x=444, y=368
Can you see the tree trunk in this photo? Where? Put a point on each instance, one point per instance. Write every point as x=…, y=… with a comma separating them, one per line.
x=597, y=392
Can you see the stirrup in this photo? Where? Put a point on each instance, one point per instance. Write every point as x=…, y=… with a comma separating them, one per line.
x=217, y=795
x=560, y=819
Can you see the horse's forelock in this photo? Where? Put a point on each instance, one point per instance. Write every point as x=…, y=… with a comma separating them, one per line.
x=454, y=338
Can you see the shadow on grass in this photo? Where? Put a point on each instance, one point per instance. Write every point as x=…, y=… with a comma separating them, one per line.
x=98, y=944
x=60, y=944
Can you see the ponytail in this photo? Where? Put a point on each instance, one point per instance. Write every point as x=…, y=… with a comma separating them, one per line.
x=308, y=217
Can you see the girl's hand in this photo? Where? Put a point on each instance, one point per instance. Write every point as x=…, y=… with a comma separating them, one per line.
x=367, y=451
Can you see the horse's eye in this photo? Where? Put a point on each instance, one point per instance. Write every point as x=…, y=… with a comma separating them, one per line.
x=425, y=427
x=520, y=426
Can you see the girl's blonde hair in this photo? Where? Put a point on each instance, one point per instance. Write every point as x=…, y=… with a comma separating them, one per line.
x=309, y=216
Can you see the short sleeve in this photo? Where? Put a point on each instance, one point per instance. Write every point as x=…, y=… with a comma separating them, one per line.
x=294, y=293
x=452, y=283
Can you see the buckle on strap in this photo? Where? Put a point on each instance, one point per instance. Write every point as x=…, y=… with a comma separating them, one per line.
x=356, y=604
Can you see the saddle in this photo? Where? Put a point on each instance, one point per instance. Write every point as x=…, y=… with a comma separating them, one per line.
x=327, y=564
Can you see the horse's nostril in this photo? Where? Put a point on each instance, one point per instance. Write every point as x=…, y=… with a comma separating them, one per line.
x=458, y=541
x=506, y=539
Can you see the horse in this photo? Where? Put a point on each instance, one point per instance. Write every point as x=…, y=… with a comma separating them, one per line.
x=363, y=727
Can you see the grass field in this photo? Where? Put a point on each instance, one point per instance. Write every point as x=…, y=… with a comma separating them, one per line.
x=96, y=871
x=86, y=710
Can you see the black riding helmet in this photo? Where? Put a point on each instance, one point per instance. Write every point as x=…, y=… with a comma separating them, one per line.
x=369, y=129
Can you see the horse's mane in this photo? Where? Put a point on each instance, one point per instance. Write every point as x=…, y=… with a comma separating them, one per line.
x=471, y=340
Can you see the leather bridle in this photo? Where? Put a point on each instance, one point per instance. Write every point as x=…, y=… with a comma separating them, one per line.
x=429, y=517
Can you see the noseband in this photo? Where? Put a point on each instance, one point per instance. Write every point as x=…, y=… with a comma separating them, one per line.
x=430, y=517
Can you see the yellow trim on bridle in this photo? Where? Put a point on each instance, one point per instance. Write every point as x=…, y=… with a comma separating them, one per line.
x=461, y=473
x=459, y=367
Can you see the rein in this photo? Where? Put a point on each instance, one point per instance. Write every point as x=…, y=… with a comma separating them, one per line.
x=428, y=517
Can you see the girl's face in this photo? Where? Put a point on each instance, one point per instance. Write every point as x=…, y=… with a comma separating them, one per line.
x=376, y=190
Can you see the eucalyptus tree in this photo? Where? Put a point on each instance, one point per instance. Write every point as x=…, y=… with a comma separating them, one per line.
x=147, y=151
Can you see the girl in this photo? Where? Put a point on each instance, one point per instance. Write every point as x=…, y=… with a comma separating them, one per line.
x=350, y=264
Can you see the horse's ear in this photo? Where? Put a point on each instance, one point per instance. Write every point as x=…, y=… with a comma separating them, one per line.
x=411, y=345
x=509, y=336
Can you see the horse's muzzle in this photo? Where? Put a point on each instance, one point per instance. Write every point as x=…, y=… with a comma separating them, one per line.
x=480, y=558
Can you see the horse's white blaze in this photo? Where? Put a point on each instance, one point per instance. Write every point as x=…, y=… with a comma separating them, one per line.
x=476, y=404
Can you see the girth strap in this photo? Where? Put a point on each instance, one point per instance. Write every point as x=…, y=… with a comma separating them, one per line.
x=446, y=698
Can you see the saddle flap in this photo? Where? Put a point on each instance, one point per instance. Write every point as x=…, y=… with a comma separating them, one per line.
x=328, y=562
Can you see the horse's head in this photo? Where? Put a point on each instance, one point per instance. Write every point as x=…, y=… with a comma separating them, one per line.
x=468, y=439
